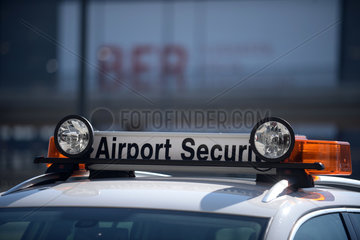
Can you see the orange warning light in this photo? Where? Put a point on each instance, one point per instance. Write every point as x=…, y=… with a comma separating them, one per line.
x=335, y=156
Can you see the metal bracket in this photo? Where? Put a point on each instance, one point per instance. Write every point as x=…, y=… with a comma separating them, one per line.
x=136, y=162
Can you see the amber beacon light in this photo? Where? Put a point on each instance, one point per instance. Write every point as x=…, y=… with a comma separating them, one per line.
x=334, y=155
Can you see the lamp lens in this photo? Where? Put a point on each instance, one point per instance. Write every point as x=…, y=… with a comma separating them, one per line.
x=272, y=139
x=73, y=136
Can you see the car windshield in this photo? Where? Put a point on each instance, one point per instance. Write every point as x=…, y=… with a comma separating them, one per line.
x=123, y=223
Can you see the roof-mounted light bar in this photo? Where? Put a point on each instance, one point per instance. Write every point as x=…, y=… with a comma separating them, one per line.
x=272, y=140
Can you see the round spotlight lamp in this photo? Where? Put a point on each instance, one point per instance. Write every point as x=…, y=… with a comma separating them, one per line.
x=74, y=136
x=272, y=139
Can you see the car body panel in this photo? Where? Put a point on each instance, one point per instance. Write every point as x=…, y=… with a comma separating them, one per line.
x=214, y=195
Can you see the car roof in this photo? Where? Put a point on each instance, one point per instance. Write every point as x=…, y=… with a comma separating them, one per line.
x=201, y=194
x=196, y=194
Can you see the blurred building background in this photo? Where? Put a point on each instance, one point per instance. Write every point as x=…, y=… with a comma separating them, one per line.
x=299, y=60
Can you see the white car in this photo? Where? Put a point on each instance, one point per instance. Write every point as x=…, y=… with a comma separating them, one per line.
x=102, y=198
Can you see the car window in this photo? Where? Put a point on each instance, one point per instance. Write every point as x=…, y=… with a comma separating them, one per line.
x=329, y=226
x=355, y=220
x=124, y=224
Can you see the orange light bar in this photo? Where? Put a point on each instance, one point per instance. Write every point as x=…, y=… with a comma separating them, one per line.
x=54, y=153
x=334, y=155
x=52, y=150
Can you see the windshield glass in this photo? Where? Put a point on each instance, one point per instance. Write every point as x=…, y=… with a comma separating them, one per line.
x=121, y=223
